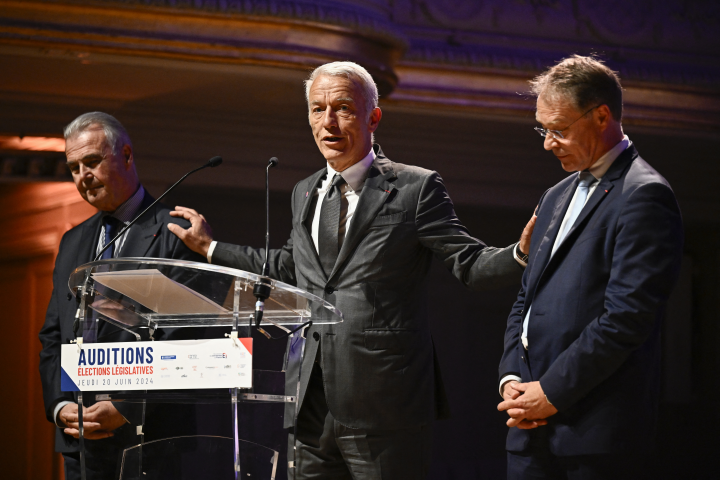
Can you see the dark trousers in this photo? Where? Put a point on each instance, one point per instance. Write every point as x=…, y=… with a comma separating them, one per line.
x=538, y=462
x=326, y=449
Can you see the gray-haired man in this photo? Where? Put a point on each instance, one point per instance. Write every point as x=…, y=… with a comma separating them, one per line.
x=100, y=158
x=364, y=232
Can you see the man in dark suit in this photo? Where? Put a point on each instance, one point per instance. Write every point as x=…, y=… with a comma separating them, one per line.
x=580, y=371
x=364, y=232
x=100, y=158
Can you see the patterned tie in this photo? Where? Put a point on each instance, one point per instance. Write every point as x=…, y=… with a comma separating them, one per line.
x=328, y=242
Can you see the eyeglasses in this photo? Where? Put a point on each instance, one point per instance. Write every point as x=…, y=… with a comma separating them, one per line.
x=558, y=133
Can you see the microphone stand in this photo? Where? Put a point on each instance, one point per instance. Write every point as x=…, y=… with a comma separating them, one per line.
x=262, y=288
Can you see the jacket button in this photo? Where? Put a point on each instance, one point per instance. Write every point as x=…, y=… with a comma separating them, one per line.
x=329, y=290
x=316, y=336
x=523, y=358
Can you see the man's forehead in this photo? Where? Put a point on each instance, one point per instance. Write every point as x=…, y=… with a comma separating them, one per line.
x=552, y=110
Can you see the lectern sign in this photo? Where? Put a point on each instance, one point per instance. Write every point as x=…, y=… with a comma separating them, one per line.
x=181, y=364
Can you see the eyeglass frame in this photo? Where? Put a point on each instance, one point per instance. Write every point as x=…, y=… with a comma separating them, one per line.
x=558, y=133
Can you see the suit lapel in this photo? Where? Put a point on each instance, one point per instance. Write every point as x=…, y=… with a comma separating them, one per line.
x=89, y=240
x=542, y=256
x=375, y=192
x=302, y=227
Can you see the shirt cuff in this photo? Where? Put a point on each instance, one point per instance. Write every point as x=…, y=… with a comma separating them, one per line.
x=211, y=249
x=59, y=407
x=516, y=256
x=508, y=378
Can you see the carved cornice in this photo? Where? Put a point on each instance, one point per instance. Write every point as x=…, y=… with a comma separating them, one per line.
x=272, y=33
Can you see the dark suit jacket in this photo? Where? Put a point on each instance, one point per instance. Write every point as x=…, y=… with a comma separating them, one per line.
x=597, y=304
x=149, y=237
x=378, y=364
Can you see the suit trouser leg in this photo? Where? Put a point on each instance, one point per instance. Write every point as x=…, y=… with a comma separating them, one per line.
x=329, y=450
x=538, y=462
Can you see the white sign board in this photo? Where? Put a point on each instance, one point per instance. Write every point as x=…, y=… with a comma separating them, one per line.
x=179, y=364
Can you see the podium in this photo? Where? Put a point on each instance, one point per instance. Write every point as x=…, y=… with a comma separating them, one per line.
x=132, y=345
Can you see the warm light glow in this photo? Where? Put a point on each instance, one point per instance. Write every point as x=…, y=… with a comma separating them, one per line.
x=37, y=144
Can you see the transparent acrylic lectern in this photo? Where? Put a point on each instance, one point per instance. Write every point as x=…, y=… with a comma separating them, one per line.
x=132, y=326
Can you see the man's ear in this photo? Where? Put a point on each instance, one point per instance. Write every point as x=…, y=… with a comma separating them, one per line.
x=603, y=116
x=127, y=154
x=374, y=120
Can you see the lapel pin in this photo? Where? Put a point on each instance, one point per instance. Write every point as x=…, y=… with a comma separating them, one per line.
x=388, y=191
x=605, y=191
x=307, y=193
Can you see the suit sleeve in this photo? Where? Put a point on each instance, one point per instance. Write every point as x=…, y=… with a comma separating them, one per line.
x=644, y=268
x=51, y=340
x=280, y=261
x=476, y=265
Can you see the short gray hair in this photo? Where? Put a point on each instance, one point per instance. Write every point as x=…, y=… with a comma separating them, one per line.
x=585, y=81
x=351, y=71
x=115, y=134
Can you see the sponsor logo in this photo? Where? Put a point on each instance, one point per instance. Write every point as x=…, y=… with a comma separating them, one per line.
x=218, y=355
x=183, y=376
x=211, y=368
x=168, y=357
x=227, y=366
x=193, y=357
x=178, y=368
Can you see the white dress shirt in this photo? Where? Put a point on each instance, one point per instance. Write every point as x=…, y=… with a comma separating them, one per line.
x=598, y=170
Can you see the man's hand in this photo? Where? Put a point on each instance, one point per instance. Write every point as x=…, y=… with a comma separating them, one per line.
x=526, y=234
x=99, y=421
x=529, y=408
x=510, y=393
x=199, y=236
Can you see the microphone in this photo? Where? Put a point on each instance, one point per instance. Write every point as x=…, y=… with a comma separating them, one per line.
x=262, y=288
x=213, y=162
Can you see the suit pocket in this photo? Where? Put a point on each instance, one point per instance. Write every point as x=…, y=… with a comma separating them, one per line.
x=391, y=219
x=393, y=341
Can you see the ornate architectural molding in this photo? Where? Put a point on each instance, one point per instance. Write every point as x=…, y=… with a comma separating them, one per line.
x=297, y=35
x=470, y=54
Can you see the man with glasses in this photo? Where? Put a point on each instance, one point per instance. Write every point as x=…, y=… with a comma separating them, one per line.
x=580, y=372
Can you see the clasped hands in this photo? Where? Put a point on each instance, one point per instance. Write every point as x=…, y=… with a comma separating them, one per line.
x=526, y=404
x=99, y=420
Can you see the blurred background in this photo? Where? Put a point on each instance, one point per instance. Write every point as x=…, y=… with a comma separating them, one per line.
x=191, y=79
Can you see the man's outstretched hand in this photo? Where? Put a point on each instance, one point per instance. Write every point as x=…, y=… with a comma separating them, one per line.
x=526, y=404
x=199, y=236
x=99, y=420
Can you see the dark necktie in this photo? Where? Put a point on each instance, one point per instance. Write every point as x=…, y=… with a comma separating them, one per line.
x=112, y=227
x=328, y=243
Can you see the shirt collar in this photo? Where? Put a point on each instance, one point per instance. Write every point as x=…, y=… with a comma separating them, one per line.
x=129, y=209
x=601, y=166
x=355, y=174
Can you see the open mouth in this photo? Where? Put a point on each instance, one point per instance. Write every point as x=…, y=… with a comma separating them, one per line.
x=331, y=139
